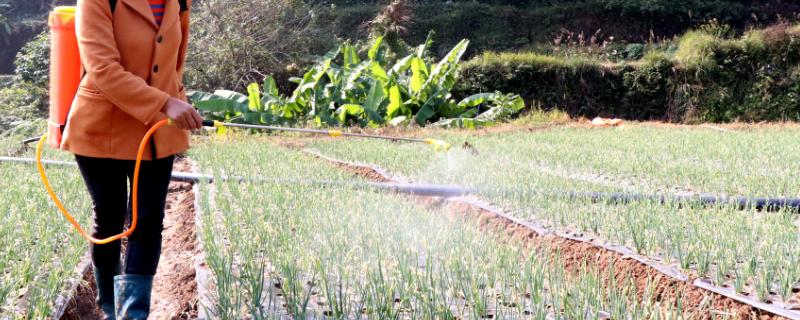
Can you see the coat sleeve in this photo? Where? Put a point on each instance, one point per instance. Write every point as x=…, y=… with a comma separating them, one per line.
x=102, y=61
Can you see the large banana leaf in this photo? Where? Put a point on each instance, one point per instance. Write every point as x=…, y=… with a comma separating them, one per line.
x=220, y=101
x=270, y=88
x=419, y=74
x=355, y=75
x=428, y=110
x=312, y=77
x=352, y=110
x=401, y=66
x=396, y=106
x=254, y=97
x=350, y=56
x=375, y=52
x=374, y=103
x=255, y=118
x=504, y=108
x=422, y=50
x=376, y=72
x=465, y=123
x=477, y=99
x=444, y=73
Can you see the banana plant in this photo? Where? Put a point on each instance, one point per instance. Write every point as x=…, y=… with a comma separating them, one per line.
x=346, y=88
x=499, y=107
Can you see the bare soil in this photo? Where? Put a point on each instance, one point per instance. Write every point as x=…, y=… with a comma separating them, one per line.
x=174, y=293
x=83, y=307
x=175, y=288
x=697, y=303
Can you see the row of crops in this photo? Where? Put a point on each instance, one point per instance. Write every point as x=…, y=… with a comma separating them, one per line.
x=38, y=252
x=312, y=252
x=279, y=249
x=753, y=252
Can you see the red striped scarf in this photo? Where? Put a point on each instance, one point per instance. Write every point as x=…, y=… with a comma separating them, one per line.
x=158, y=7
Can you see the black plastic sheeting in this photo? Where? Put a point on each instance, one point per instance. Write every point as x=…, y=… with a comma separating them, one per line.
x=742, y=203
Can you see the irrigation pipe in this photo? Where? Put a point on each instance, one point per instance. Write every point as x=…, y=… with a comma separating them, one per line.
x=740, y=202
x=63, y=300
x=621, y=250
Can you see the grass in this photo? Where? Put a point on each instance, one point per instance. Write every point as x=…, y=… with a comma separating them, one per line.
x=343, y=253
x=751, y=251
x=539, y=116
x=38, y=248
x=529, y=58
x=695, y=50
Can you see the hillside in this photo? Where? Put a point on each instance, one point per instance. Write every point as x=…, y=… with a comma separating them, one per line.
x=489, y=24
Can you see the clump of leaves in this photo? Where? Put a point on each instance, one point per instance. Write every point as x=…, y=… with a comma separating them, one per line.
x=344, y=88
x=695, y=50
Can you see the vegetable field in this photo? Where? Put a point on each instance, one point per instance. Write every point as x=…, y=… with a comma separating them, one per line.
x=752, y=252
x=286, y=234
x=38, y=252
x=316, y=252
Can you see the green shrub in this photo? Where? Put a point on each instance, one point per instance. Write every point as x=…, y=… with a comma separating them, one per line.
x=696, y=50
x=22, y=101
x=634, y=51
x=579, y=86
x=20, y=21
x=25, y=96
x=33, y=62
x=647, y=87
x=751, y=78
x=345, y=88
x=519, y=25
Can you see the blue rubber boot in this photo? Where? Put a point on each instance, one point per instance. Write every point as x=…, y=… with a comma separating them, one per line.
x=132, y=296
x=104, y=279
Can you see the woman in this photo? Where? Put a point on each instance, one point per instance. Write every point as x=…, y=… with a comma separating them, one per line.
x=133, y=52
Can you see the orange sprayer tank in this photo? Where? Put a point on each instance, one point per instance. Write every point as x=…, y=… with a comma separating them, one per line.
x=65, y=70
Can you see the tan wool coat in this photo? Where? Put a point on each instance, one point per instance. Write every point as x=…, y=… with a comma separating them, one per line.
x=132, y=68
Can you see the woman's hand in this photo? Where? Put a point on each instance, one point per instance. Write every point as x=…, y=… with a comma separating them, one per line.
x=183, y=114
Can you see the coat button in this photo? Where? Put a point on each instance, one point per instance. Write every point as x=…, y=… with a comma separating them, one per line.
x=160, y=39
x=155, y=68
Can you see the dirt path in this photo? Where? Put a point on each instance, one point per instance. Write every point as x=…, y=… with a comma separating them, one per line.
x=174, y=288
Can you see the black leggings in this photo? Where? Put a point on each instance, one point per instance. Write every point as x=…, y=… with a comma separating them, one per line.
x=107, y=181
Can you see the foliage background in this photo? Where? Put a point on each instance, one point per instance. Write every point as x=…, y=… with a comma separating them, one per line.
x=704, y=77
x=589, y=57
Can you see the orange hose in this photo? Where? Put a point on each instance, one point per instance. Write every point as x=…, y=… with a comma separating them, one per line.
x=134, y=192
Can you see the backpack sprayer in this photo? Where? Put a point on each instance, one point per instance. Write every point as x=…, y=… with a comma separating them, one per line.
x=65, y=77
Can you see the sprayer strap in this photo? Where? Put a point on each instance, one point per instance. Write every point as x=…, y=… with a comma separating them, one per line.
x=183, y=3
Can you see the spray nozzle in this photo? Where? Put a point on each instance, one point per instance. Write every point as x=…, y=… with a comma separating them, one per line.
x=334, y=133
x=213, y=123
x=438, y=145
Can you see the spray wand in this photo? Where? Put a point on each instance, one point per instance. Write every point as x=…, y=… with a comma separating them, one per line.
x=437, y=144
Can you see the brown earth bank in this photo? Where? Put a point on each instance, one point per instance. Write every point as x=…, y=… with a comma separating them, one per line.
x=174, y=293
x=695, y=303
